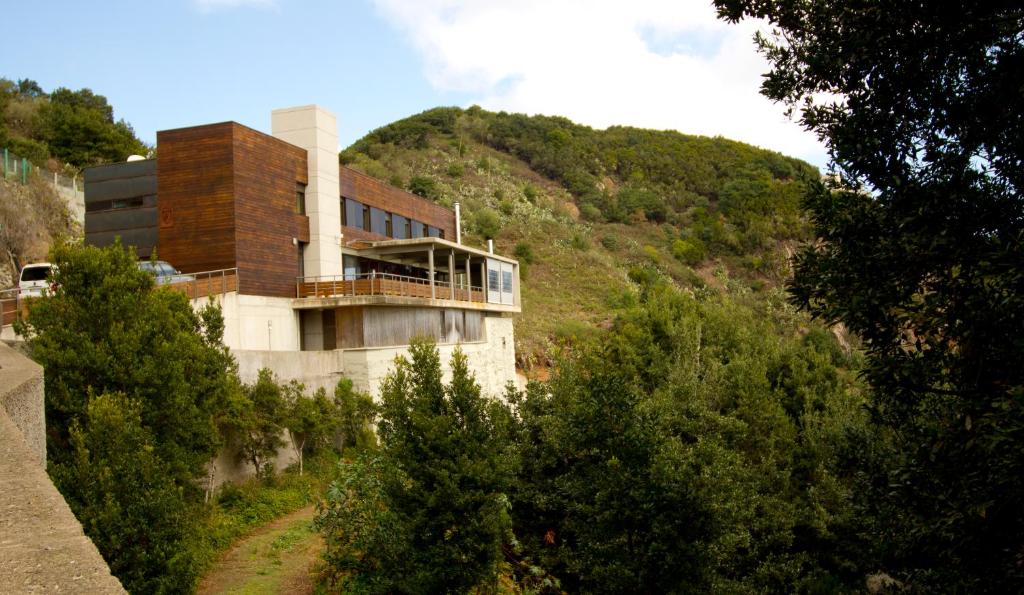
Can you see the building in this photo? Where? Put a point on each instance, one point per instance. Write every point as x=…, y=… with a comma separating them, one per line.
x=321, y=271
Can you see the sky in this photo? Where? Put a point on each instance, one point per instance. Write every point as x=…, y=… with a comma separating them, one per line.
x=662, y=64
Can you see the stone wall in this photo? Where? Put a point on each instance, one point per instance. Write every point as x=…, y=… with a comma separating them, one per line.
x=42, y=545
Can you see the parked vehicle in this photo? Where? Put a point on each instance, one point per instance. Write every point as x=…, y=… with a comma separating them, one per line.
x=34, y=280
x=165, y=274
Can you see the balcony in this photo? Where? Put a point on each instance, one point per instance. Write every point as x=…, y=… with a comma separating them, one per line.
x=385, y=284
x=443, y=274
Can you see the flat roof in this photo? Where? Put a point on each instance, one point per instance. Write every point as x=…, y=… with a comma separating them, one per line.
x=437, y=243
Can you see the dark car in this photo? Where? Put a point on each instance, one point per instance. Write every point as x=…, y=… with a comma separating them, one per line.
x=165, y=274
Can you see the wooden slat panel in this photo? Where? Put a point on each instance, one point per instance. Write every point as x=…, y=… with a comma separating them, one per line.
x=373, y=192
x=266, y=173
x=195, y=189
x=227, y=200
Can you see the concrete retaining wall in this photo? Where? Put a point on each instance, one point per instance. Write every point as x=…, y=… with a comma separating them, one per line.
x=42, y=545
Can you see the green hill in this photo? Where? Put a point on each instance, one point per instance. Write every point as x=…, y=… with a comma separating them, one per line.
x=591, y=212
x=63, y=127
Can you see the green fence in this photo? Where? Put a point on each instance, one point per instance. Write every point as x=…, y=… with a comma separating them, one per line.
x=19, y=168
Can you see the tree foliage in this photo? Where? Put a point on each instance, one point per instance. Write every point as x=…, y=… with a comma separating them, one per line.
x=135, y=379
x=691, y=449
x=75, y=127
x=126, y=498
x=107, y=329
x=925, y=262
x=427, y=514
x=356, y=415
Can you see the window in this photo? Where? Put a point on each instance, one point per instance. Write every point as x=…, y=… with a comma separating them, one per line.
x=378, y=221
x=433, y=231
x=353, y=214
x=399, y=227
x=366, y=218
x=492, y=280
x=388, y=230
x=417, y=229
x=300, y=199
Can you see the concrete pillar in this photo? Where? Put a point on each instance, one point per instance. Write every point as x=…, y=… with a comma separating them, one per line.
x=316, y=130
x=430, y=265
x=451, y=273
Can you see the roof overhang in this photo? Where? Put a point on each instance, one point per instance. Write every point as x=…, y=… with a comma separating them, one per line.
x=417, y=249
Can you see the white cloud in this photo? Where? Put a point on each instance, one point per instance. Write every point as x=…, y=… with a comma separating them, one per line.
x=665, y=64
x=214, y=5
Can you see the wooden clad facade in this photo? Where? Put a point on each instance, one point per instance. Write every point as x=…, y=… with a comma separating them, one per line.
x=227, y=199
x=372, y=192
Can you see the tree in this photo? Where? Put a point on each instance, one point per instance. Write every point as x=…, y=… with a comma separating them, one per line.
x=257, y=422
x=428, y=513
x=920, y=254
x=310, y=421
x=356, y=413
x=107, y=329
x=126, y=498
x=425, y=187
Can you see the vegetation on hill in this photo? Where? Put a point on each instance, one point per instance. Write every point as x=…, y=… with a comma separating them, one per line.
x=32, y=218
x=75, y=128
x=582, y=207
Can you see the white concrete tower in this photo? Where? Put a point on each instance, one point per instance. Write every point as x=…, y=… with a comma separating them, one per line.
x=315, y=129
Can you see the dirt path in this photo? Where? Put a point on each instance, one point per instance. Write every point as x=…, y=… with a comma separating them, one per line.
x=275, y=558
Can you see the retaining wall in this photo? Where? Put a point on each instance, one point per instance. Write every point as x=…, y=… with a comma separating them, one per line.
x=42, y=545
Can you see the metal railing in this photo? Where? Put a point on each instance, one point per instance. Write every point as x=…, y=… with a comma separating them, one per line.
x=384, y=284
x=207, y=283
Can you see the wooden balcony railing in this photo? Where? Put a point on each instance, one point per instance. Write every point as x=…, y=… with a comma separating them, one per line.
x=8, y=306
x=384, y=284
x=207, y=283
x=200, y=285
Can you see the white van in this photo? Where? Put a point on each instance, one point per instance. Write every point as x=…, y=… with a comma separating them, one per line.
x=34, y=279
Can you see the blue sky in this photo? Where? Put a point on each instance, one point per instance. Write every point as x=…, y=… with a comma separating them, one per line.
x=665, y=64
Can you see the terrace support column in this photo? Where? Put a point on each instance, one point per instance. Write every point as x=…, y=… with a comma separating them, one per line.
x=451, y=273
x=469, y=279
x=430, y=267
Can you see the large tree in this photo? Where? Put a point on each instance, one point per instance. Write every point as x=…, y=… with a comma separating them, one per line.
x=428, y=514
x=922, y=108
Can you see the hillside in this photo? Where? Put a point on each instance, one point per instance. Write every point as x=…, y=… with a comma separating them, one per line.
x=63, y=128
x=590, y=212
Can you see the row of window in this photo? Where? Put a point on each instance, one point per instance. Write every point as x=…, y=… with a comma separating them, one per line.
x=356, y=214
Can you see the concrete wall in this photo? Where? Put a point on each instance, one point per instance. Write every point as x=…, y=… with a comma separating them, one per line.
x=492, y=361
x=253, y=322
x=42, y=545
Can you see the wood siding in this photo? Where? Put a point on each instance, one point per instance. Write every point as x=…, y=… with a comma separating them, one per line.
x=195, y=197
x=370, y=191
x=266, y=173
x=226, y=199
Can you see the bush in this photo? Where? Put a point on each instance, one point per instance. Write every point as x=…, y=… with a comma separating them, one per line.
x=487, y=223
x=580, y=242
x=425, y=187
x=524, y=253
x=456, y=170
x=690, y=251
x=530, y=192
x=610, y=243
